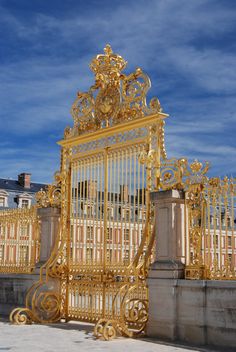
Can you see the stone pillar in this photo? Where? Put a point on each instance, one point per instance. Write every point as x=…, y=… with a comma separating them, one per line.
x=49, y=218
x=169, y=263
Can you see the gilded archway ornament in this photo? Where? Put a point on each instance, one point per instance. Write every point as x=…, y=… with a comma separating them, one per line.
x=114, y=97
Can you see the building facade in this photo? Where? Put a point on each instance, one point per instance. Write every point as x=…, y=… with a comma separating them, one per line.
x=18, y=193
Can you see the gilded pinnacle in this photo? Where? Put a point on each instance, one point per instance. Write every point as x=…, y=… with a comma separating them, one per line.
x=108, y=50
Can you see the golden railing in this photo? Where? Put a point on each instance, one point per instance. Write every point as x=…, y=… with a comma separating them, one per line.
x=211, y=247
x=110, y=161
x=210, y=242
x=19, y=240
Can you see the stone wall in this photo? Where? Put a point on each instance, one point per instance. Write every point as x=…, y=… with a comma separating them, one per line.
x=13, y=289
x=194, y=311
x=198, y=312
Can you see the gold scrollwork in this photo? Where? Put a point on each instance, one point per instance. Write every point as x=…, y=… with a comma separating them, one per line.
x=51, y=196
x=137, y=311
x=21, y=316
x=114, y=97
x=105, y=329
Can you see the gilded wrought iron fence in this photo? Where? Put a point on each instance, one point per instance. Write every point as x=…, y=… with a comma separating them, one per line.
x=19, y=240
x=110, y=161
x=210, y=244
x=211, y=247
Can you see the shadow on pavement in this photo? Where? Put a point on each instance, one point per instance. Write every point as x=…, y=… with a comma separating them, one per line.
x=180, y=344
x=88, y=328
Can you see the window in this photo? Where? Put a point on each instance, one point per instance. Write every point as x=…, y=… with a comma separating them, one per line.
x=211, y=220
x=24, y=231
x=2, y=201
x=24, y=200
x=126, y=214
x=109, y=254
x=126, y=235
x=109, y=234
x=23, y=253
x=89, y=254
x=1, y=252
x=142, y=214
x=126, y=256
x=2, y=230
x=3, y=198
x=230, y=259
x=229, y=241
x=90, y=210
x=12, y=230
x=109, y=212
x=89, y=233
x=25, y=203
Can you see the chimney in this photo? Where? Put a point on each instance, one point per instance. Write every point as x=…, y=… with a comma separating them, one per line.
x=24, y=180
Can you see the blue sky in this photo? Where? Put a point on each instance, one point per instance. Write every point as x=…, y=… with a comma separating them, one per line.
x=187, y=47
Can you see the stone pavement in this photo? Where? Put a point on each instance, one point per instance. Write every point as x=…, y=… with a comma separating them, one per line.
x=73, y=336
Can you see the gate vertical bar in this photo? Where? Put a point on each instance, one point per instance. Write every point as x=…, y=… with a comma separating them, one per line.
x=104, y=228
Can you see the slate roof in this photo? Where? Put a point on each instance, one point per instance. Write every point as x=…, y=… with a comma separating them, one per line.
x=14, y=185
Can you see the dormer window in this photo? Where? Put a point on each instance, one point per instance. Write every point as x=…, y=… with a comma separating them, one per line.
x=3, y=198
x=25, y=203
x=2, y=202
x=24, y=200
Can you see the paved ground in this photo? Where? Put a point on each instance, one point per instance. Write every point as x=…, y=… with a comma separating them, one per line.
x=73, y=337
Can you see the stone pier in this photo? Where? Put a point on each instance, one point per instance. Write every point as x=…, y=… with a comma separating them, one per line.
x=201, y=312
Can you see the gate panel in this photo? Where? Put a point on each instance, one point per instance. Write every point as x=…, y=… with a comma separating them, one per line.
x=86, y=238
x=107, y=217
x=110, y=161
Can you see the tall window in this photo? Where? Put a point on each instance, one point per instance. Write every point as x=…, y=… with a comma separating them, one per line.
x=89, y=233
x=89, y=254
x=126, y=257
x=1, y=253
x=126, y=214
x=109, y=254
x=2, y=201
x=2, y=230
x=3, y=198
x=24, y=253
x=109, y=234
x=12, y=230
x=89, y=211
x=109, y=212
x=24, y=231
x=126, y=235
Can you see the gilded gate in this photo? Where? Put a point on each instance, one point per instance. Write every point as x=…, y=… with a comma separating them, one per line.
x=110, y=161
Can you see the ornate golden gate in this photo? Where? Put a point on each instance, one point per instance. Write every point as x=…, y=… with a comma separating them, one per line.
x=110, y=162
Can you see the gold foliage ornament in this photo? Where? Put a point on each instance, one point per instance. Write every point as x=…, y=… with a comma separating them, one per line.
x=114, y=97
x=180, y=174
x=51, y=196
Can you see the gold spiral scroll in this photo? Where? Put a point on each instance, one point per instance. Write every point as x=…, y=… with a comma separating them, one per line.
x=105, y=329
x=21, y=316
